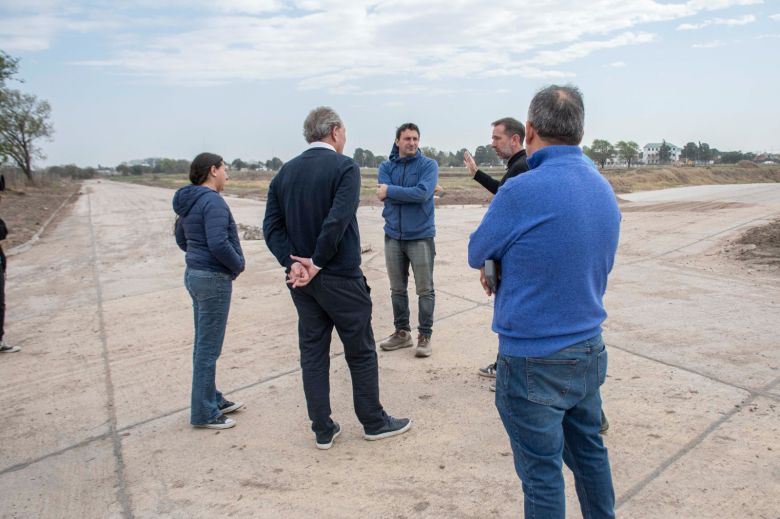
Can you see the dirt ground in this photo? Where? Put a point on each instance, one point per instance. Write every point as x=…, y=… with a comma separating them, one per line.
x=97, y=400
x=26, y=209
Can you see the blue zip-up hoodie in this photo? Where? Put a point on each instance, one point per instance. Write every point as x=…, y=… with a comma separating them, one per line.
x=206, y=231
x=555, y=231
x=410, y=183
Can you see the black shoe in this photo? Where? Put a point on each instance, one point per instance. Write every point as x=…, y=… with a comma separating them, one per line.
x=228, y=407
x=604, y=423
x=325, y=442
x=392, y=427
x=220, y=422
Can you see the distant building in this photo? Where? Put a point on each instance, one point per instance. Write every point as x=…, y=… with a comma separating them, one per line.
x=651, y=150
x=767, y=158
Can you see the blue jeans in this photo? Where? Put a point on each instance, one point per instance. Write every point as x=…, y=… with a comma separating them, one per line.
x=551, y=409
x=399, y=254
x=210, y=292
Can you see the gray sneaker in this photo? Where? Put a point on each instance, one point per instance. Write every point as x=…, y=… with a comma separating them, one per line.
x=399, y=339
x=7, y=348
x=423, y=346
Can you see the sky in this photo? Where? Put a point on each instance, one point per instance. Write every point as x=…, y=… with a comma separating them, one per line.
x=141, y=78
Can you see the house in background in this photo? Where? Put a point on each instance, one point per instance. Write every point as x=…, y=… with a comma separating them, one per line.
x=651, y=150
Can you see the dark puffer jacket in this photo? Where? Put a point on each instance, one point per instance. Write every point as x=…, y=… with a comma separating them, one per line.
x=206, y=231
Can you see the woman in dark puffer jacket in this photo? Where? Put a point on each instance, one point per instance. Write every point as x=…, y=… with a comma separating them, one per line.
x=206, y=231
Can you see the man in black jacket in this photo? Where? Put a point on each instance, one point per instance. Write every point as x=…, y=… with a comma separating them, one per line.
x=311, y=227
x=507, y=140
x=4, y=348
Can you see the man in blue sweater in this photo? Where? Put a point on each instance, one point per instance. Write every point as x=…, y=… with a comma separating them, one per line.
x=311, y=228
x=406, y=184
x=554, y=231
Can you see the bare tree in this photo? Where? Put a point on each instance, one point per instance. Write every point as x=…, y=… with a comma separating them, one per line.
x=23, y=121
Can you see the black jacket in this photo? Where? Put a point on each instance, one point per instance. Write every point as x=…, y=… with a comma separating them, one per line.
x=311, y=209
x=3, y=234
x=517, y=164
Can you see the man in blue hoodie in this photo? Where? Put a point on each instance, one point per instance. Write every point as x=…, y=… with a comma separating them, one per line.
x=554, y=231
x=407, y=182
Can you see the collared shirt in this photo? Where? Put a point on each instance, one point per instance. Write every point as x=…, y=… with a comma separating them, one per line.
x=320, y=144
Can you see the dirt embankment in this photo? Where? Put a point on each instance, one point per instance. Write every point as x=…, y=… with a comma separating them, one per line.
x=649, y=179
x=26, y=208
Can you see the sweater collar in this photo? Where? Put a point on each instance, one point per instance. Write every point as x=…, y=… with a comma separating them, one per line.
x=553, y=152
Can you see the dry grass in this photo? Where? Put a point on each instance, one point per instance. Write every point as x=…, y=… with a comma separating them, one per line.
x=649, y=179
x=459, y=188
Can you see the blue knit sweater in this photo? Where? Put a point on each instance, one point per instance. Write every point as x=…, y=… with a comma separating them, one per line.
x=555, y=232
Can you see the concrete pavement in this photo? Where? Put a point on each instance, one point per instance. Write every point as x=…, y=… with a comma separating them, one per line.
x=97, y=402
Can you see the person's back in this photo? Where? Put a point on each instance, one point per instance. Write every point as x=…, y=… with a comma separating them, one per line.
x=310, y=226
x=557, y=236
x=555, y=231
x=304, y=190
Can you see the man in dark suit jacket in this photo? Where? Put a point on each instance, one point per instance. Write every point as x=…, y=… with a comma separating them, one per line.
x=311, y=227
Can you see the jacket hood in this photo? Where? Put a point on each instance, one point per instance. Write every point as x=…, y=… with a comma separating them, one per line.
x=394, y=156
x=186, y=197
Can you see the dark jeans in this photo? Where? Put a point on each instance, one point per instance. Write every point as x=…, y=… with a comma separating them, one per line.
x=345, y=303
x=399, y=254
x=551, y=409
x=210, y=292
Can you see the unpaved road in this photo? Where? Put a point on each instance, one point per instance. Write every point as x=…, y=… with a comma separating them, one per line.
x=96, y=418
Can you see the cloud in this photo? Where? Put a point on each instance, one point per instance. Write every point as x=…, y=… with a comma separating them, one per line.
x=342, y=46
x=713, y=5
x=584, y=48
x=709, y=45
x=743, y=20
x=775, y=17
x=616, y=64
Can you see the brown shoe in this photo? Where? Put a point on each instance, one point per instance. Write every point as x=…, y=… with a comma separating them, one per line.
x=399, y=339
x=423, y=346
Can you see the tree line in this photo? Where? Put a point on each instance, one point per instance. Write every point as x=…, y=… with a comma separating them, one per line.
x=483, y=155
x=602, y=151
